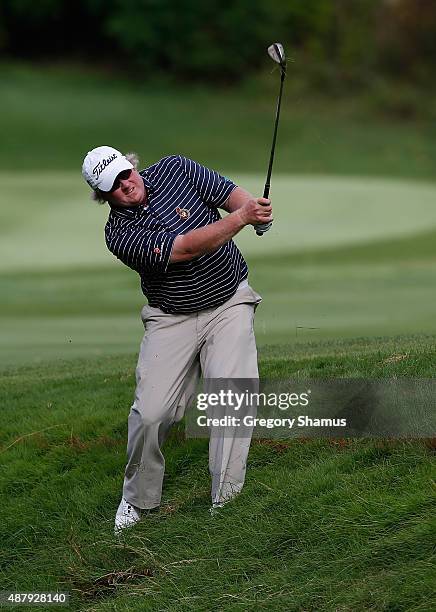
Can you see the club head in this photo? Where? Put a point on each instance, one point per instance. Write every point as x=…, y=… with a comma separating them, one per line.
x=277, y=54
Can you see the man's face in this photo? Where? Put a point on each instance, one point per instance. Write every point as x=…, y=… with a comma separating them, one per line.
x=127, y=190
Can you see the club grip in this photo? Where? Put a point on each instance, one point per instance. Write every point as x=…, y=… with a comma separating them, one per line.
x=265, y=195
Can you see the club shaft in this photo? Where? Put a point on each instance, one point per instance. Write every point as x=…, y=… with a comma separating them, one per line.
x=273, y=146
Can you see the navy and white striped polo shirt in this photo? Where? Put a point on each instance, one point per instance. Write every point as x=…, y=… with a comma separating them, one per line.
x=142, y=237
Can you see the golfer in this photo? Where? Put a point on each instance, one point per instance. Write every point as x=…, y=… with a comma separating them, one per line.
x=164, y=223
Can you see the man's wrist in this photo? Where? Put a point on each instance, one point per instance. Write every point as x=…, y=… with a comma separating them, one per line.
x=242, y=216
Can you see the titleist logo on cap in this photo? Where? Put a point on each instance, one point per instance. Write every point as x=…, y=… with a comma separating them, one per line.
x=98, y=169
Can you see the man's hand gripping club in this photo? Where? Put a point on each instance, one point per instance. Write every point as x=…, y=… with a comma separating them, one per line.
x=263, y=217
x=240, y=198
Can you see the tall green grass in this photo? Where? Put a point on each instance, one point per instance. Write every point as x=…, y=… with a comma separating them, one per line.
x=320, y=525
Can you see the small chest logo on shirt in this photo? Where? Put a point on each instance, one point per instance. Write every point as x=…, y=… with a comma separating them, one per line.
x=183, y=213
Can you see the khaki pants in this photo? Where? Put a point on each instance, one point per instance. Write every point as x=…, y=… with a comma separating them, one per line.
x=217, y=342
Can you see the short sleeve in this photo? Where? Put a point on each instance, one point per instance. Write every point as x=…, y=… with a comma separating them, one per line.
x=213, y=188
x=142, y=250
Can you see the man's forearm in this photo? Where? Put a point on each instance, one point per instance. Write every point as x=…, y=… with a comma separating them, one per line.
x=206, y=239
x=244, y=210
x=236, y=199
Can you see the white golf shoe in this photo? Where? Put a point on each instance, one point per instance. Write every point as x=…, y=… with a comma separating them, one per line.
x=126, y=516
x=216, y=507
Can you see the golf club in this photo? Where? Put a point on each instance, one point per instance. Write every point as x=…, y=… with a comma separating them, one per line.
x=277, y=54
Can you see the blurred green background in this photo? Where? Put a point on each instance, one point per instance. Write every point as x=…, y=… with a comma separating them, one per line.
x=352, y=249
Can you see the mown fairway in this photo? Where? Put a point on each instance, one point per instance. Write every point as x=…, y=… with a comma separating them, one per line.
x=346, y=257
x=347, y=275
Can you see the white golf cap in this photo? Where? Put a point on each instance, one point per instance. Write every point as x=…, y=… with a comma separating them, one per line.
x=102, y=165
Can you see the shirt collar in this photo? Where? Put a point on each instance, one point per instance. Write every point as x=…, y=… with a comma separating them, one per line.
x=149, y=185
